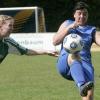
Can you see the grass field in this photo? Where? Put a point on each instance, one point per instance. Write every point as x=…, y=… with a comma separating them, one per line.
x=36, y=78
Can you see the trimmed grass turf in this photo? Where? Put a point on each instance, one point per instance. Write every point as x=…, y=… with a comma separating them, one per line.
x=36, y=78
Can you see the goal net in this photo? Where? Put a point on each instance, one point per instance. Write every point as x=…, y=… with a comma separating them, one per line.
x=27, y=19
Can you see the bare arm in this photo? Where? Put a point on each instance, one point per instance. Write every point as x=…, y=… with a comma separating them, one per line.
x=97, y=38
x=39, y=52
x=62, y=32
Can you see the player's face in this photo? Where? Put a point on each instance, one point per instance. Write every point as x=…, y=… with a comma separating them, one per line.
x=81, y=16
x=6, y=28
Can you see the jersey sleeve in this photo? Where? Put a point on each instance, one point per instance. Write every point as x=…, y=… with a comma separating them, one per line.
x=93, y=34
x=14, y=47
x=3, y=51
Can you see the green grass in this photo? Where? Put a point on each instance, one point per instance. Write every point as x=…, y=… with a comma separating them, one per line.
x=36, y=78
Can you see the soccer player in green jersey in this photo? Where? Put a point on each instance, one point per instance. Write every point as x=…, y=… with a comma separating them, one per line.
x=8, y=45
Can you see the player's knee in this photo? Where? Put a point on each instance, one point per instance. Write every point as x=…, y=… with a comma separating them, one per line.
x=66, y=75
x=73, y=57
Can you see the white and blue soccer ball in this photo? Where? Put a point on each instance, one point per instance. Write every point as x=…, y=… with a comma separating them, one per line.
x=73, y=43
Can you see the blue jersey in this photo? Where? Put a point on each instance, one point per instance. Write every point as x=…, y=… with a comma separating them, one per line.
x=87, y=33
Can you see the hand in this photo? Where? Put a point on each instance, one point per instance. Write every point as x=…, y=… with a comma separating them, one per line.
x=73, y=25
x=53, y=53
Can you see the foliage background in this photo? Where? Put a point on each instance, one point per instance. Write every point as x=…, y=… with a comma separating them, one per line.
x=56, y=11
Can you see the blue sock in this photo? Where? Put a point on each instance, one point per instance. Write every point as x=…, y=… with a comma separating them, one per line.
x=77, y=73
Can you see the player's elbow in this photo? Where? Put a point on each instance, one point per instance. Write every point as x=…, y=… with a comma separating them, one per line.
x=55, y=42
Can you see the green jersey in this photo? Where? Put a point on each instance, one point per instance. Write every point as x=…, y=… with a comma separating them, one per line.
x=8, y=45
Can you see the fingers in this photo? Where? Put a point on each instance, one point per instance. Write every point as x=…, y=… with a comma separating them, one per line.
x=76, y=24
x=73, y=25
x=55, y=54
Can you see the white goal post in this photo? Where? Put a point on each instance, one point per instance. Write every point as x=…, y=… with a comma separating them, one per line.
x=30, y=20
x=27, y=19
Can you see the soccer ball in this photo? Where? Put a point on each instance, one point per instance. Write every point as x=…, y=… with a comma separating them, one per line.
x=73, y=43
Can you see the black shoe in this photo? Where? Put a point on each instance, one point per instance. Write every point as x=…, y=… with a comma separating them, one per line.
x=84, y=88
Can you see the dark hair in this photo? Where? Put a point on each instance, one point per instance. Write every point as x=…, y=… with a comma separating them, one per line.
x=81, y=5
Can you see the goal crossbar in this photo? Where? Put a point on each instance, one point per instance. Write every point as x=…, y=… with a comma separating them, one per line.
x=18, y=8
x=28, y=8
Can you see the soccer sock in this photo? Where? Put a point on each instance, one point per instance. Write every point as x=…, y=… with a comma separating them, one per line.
x=77, y=73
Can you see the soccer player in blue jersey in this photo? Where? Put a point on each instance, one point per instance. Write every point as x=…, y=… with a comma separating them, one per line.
x=8, y=45
x=78, y=67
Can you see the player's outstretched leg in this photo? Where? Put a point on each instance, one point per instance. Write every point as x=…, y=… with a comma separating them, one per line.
x=78, y=75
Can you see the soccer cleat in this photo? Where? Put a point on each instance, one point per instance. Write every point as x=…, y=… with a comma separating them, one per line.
x=84, y=88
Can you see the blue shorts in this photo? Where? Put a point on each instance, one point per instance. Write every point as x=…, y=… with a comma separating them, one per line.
x=64, y=69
